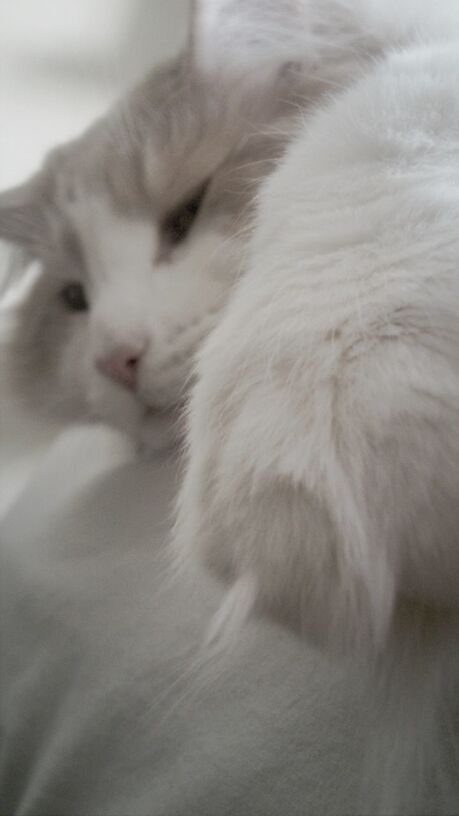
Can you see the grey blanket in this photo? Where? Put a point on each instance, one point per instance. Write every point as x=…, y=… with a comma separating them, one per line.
x=107, y=706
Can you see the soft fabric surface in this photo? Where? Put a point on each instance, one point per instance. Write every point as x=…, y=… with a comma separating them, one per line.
x=104, y=707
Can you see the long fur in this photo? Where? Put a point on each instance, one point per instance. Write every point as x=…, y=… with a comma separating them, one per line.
x=322, y=478
x=323, y=460
x=96, y=214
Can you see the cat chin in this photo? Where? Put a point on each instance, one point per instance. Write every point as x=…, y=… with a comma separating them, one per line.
x=153, y=428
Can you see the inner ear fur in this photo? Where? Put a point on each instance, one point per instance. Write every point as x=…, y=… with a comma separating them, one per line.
x=248, y=37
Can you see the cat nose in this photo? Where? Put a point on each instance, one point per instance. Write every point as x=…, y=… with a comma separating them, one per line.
x=121, y=366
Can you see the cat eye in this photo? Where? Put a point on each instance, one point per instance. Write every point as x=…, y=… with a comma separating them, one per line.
x=73, y=297
x=178, y=223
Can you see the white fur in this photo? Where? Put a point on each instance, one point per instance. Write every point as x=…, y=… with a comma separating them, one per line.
x=165, y=307
x=323, y=459
x=341, y=341
x=168, y=310
x=249, y=37
x=267, y=60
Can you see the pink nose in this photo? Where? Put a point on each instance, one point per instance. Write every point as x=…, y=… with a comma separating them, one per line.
x=121, y=365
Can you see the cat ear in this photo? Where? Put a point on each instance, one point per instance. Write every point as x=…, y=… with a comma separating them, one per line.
x=21, y=218
x=249, y=37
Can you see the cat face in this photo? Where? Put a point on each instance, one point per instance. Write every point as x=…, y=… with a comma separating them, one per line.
x=137, y=232
x=123, y=291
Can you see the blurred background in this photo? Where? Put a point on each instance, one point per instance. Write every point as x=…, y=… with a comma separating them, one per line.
x=62, y=62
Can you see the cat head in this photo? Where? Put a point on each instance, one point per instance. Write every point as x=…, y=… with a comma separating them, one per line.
x=136, y=230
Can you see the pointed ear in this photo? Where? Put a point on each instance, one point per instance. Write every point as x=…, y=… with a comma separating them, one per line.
x=21, y=216
x=234, y=37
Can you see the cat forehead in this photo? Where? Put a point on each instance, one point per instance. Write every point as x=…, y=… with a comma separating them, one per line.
x=163, y=139
x=110, y=239
x=123, y=177
x=155, y=144
x=93, y=241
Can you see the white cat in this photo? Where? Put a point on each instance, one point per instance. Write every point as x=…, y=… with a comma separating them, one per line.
x=138, y=228
x=322, y=479
x=323, y=453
